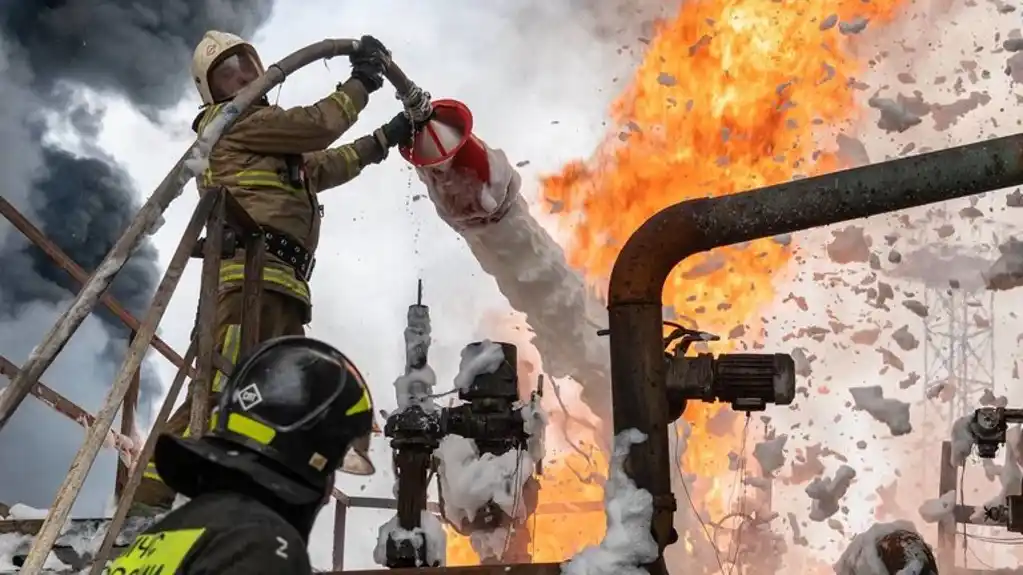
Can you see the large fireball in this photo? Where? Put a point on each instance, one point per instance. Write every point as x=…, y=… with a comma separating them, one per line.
x=731, y=95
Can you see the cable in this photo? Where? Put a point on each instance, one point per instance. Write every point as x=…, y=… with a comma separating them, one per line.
x=532, y=540
x=737, y=537
x=569, y=417
x=689, y=497
x=996, y=540
x=981, y=561
x=962, y=501
x=515, y=502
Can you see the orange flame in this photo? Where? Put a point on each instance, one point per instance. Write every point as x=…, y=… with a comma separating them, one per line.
x=731, y=95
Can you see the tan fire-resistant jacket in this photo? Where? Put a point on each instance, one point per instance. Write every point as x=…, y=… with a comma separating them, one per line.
x=249, y=160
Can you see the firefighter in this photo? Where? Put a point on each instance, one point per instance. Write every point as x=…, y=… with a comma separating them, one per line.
x=275, y=161
x=258, y=479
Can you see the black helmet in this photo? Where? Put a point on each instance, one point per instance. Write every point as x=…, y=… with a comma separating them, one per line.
x=286, y=418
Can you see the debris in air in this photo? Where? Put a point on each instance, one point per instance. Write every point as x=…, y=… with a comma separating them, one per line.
x=894, y=115
x=825, y=493
x=891, y=412
x=854, y=26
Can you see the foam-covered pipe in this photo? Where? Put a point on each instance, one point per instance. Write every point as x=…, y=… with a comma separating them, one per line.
x=530, y=270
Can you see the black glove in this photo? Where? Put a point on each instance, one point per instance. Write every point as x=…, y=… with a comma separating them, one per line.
x=369, y=63
x=397, y=132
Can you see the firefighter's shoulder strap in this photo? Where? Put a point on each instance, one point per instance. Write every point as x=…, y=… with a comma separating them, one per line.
x=278, y=243
x=294, y=163
x=158, y=552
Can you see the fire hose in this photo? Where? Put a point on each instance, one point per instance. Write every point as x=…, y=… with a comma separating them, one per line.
x=475, y=190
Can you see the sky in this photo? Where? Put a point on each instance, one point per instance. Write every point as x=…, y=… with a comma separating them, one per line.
x=538, y=78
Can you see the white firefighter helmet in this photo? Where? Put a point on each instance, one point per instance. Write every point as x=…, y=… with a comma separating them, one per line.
x=216, y=49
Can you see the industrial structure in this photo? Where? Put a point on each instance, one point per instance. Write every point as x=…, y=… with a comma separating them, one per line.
x=953, y=249
x=647, y=387
x=987, y=428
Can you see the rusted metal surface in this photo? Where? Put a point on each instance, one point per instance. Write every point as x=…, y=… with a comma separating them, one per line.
x=68, y=547
x=340, y=527
x=128, y=408
x=679, y=231
x=69, y=409
x=548, y=508
x=78, y=274
x=521, y=569
x=145, y=454
x=411, y=466
x=169, y=188
x=86, y=456
x=340, y=496
x=946, y=547
x=206, y=324
x=945, y=550
x=252, y=291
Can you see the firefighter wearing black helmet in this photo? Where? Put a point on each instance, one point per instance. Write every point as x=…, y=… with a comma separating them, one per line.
x=259, y=478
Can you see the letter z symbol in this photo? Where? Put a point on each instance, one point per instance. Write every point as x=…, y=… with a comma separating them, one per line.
x=282, y=550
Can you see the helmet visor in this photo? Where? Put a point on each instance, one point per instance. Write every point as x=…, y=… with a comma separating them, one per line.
x=233, y=73
x=357, y=460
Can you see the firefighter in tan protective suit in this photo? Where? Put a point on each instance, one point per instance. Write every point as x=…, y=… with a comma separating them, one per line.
x=275, y=161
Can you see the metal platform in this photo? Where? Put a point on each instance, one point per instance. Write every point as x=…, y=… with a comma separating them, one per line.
x=70, y=545
x=522, y=569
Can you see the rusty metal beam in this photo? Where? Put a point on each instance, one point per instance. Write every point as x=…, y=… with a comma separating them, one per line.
x=68, y=409
x=252, y=289
x=340, y=529
x=520, y=569
x=688, y=228
x=145, y=454
x=549, y=508
x=128, y=408
x=86, y=456
x=37, y=237
x=206, y=323
x=946, y=552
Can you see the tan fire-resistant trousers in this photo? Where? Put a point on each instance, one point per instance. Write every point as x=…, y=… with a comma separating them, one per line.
x=280, y=315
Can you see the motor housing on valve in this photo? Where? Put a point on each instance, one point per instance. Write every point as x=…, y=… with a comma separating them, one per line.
x=748, y=381
x=489, y=416
x=988, y=428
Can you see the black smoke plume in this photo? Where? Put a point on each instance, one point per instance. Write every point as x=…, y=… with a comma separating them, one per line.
x=51, y=52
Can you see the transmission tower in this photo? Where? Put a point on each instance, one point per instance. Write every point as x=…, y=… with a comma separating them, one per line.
x=951, y=248
x=959, y=346
x=959, y=324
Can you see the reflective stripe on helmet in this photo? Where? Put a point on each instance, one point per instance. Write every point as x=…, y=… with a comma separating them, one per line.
x=231, y=272
x=259, y=432
x=243, y=425
x=362, y=406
